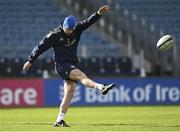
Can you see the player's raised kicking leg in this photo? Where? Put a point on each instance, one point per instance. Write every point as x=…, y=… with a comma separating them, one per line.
x=78, y=75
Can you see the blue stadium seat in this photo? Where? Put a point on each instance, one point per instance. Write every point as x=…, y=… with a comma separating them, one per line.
x=109, y=64
x=94, y=64
x=124, y=64
x=4, y=66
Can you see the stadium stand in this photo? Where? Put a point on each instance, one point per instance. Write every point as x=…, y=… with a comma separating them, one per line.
x=145, y=21
x=24, y=23
x=163, y=14
x=95, y=66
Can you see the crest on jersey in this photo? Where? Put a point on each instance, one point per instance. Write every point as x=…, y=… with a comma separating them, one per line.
x=71, y=43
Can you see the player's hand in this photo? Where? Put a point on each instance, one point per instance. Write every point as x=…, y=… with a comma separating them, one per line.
x=104, y=9
x=27, y=66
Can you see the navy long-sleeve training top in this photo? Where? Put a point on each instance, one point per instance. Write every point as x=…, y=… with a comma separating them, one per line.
x=65, y=47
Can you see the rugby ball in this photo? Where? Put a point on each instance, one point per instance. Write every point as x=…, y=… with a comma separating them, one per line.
x=165, y=43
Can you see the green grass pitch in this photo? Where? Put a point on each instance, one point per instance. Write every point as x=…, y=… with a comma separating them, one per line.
x=141, y=118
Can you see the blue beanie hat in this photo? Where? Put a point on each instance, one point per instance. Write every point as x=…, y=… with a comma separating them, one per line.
x=70, y=22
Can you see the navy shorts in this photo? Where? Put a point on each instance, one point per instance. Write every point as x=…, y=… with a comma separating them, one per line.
x=64, y=68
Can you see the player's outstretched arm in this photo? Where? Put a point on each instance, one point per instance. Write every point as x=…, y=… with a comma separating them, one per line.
x=44, y=45
x=83, y=25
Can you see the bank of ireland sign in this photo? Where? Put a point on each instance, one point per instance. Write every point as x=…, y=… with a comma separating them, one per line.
x=137, y=92
x=127, y=92
x=122, y=95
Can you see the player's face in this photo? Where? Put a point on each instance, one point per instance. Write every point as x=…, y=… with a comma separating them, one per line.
x=68, y=32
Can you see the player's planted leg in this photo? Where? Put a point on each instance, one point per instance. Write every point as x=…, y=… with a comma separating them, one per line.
x=69, y=87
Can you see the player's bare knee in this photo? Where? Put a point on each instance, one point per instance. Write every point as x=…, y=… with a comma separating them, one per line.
x=84, y=79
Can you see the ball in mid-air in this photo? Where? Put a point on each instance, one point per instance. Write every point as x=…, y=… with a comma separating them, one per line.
x=165, y=43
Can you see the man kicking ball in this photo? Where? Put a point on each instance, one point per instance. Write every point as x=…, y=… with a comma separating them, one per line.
x=64, y=40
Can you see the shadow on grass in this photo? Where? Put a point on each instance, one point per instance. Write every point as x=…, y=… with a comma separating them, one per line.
x=29, y=123
x=110, y=125
x=103, y=124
